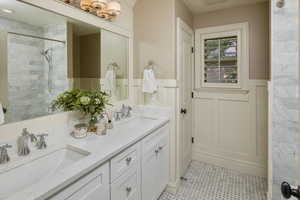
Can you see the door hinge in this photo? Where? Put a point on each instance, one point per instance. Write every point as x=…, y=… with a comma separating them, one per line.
x=192, y=95
x=192, y=50
x=193, y=140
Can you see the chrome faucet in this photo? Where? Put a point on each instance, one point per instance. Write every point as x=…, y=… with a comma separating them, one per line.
x=126, y=111
x=118, y=116
x=4, y=157
x=41, y=143
x=22, y=142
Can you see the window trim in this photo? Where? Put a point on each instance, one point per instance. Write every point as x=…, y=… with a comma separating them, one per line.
x=240, y=30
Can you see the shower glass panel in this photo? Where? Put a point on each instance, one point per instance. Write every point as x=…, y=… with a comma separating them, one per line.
x=36, y=69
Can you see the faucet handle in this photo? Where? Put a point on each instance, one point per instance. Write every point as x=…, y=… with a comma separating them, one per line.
x=118, y=116
x=6, y=146
x=4, y=157
x=41, y=143
x=25, y=132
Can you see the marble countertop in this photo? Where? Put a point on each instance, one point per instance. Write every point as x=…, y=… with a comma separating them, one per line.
x=101, y=148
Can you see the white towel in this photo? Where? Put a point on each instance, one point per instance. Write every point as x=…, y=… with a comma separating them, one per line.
x=2, y=119
x=110, y=82
x=149, y=82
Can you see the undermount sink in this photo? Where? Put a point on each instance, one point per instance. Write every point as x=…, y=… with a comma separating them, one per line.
x=24, y=175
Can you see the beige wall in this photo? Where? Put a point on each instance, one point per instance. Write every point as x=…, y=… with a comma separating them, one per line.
x=87, y=56
x=154, y=37
x=258, y=17
x=182, y=11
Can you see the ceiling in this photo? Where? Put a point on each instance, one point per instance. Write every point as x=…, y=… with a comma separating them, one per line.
x=201, y=6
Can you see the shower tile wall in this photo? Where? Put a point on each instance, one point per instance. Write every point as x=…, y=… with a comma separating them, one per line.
x=28, y=70
x=285, y=105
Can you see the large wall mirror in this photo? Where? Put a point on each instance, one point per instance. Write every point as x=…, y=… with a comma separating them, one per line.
x=42, y=54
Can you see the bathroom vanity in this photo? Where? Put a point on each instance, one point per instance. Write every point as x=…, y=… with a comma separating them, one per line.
x=131, y=162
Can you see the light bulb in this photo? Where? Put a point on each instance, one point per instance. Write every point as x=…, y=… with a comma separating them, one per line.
x=114, y=8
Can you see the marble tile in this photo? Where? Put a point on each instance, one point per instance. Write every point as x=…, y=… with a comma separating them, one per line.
x=209, y=182
x=285, y=107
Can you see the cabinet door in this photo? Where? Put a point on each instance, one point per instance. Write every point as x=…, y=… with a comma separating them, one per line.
x=150, y=175
x=163, y=163
x=155, y=166
x=93, y=186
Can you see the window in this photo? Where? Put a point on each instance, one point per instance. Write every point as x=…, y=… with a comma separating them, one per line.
x=221, y=60
x=222, y=56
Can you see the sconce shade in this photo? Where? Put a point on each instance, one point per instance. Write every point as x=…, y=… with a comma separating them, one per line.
x=114, y=8
x=86, y=5
x=102, y=14
x=99, y=4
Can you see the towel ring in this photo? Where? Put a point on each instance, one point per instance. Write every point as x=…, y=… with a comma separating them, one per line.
x=150, y=65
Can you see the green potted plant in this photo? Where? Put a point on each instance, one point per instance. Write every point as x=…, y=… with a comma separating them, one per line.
x=90, y=103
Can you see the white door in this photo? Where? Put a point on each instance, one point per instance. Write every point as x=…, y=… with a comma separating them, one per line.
x=185, y=60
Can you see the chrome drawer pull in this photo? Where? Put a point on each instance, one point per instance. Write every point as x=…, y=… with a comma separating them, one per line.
x=128, y=160
x=128, y=189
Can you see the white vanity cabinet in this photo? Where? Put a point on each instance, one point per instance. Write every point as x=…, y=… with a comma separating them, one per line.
x=155, y=164
x=93, y=186
x=140, y=172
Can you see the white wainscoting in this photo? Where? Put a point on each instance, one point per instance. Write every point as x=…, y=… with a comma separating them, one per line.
x=167, y=95
x=230, y=128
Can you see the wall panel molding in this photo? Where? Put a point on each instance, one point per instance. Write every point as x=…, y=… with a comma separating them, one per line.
x=230, y=128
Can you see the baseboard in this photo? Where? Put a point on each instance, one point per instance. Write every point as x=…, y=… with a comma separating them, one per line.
x=173, y=186
x=238, y=165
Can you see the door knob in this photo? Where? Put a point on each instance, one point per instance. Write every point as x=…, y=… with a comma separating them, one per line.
x=183, y=111
x=287, y=191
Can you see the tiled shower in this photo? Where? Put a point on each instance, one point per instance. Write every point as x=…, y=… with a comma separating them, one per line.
x=27, y=65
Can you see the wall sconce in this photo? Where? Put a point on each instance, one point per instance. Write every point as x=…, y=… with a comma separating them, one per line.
x=99, y=4
x=113, y=8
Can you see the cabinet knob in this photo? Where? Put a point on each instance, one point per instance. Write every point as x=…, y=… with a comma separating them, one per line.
x=160, y=148
x=128, y=189
x=128, y=160
x=156, y=151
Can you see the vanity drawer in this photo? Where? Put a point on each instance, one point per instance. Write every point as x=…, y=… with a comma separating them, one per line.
x=124, y=161
x=94, y=185
x=126, y=187
x=152, y=141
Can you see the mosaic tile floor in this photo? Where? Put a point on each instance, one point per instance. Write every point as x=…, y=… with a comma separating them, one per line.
x=208, y=182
